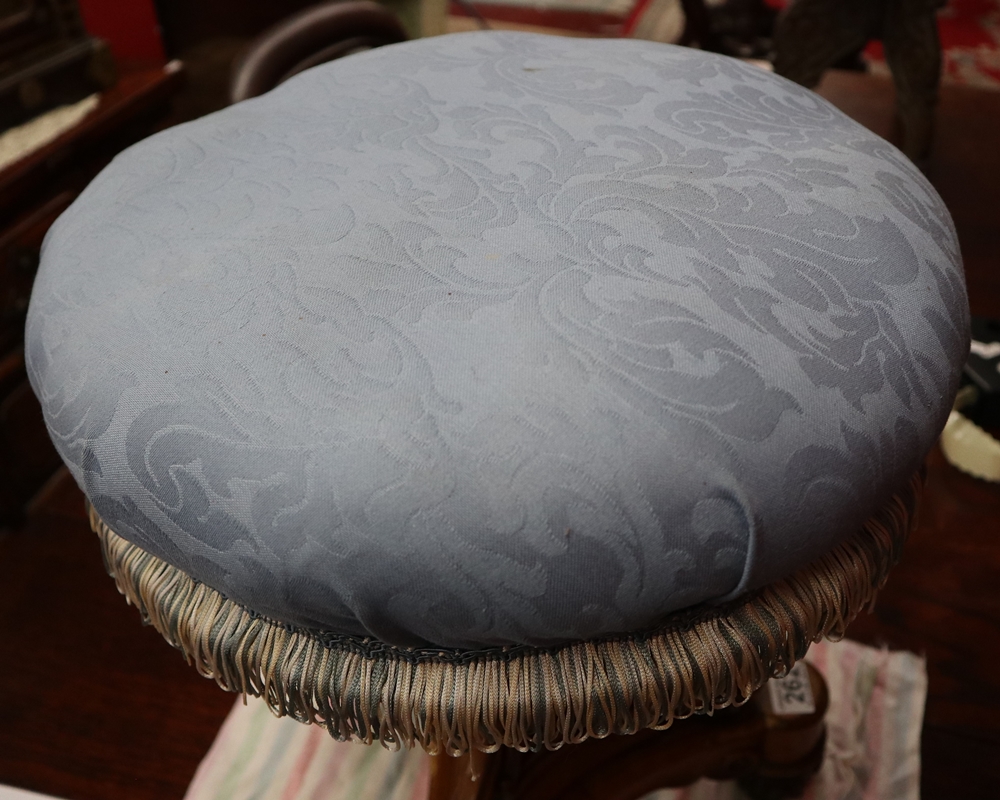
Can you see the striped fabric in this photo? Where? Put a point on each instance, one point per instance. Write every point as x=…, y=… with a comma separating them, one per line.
x=874, y=723
x=873, y=745
x=257, y=756
x=873, y=728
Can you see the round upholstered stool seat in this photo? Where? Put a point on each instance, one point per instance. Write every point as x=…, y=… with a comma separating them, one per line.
x=500, y=389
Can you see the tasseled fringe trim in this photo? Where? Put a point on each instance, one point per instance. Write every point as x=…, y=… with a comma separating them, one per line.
x=523, y=698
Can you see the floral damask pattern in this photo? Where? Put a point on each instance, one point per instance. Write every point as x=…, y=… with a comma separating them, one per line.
x=500, y=339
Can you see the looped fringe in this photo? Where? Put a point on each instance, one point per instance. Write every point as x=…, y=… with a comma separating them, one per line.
x=527, y=699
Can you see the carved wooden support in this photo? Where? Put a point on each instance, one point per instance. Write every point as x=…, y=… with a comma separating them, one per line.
x=469, y=777
x=772, y=755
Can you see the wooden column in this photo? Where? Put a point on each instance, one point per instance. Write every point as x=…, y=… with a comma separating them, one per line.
x=771, y=754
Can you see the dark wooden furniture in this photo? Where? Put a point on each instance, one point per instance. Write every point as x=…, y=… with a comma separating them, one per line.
x=47, y=58
x=318, y=34
x=33, y=192
x=773, y=755
x=96, y=707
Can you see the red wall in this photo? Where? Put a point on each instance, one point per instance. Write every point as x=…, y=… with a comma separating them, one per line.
x=129, y=26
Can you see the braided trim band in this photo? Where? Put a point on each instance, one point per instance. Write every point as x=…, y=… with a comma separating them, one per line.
x=525, y=698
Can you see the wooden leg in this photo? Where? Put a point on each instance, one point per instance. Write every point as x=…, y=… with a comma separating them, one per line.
x=469, y=777
x=773, y=755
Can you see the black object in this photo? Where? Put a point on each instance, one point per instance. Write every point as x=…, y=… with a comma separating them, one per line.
x=47, y=58
x=740, y=28
x=982, y=370
x=812, y=35
x=313, y=36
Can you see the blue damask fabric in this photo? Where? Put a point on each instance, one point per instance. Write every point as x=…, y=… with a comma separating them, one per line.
x=497, y=339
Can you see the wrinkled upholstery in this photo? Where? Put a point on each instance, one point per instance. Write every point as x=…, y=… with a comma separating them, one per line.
x=500, y=338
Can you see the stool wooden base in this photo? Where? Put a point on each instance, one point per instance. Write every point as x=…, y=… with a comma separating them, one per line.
x=773, y=756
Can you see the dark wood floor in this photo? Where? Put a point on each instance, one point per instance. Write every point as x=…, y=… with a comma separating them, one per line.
x=95, y=707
